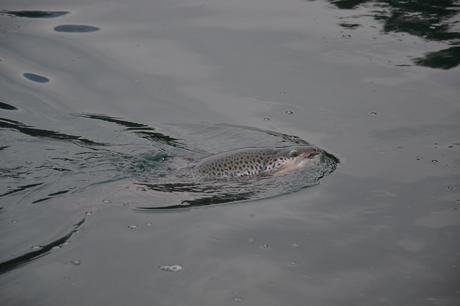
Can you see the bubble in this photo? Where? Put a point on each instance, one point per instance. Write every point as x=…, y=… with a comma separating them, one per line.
x=55, y=248
x=214, y=239
x=238, y=299
x=36, y=247
x=267, y=119
x=265, y=246
x=373, y=113
x=106, y=201
x=457, y=204
x=132, y=226
x=172, y=268
x=289, y=112
x=435, y=161
x=76, y=262
x=88, y=213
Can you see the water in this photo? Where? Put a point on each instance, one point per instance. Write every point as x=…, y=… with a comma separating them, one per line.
x=101, y=102
x=150, y=160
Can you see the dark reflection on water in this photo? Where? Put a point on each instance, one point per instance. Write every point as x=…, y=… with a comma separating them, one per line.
x=30, y=131
x=76, y=28
x=6, y=106
x=140, y=129
x=444, y=59
x=36, y=14
x=429, y=19
x=349, y=25
x=51, y=195
x=36, y=77
x=348, y=4
x=41, y=251
x=20, y=188
x=203, y=201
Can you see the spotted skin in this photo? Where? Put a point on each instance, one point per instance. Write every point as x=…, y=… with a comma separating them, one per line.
x=256, y=162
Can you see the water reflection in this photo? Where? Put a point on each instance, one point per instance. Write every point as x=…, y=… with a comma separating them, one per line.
x=35, y=77
x=39, y=251
x=36, y=14
x=6, y=106
x=445, y=59
x=202, y=201
x=19, y=189
x=139, y=129
x=76, y=28
x=428, y=19
x=34, y=132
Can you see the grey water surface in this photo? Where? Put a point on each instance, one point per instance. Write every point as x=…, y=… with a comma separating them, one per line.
x=102, y=101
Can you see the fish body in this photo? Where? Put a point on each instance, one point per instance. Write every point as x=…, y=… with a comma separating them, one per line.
x=251, y=162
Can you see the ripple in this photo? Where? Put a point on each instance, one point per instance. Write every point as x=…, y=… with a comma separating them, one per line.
x=37, y=251
x=208, y=192
x=161, y=163
x=50, y=196
x=7, y=106
x=76, y=28
x=20, y=188
x=35, y=77
x=139, y=129
x=174, y=177
x=34, y=132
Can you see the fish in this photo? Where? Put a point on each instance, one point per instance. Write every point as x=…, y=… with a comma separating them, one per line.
x=251, y=162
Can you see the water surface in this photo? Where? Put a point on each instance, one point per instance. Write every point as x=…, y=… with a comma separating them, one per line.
x=163, y=83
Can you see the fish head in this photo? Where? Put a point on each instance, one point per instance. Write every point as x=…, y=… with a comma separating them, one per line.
x=303, y=153
x=295, y=158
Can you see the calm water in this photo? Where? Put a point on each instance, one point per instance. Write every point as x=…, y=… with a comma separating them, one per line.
x=101, y=102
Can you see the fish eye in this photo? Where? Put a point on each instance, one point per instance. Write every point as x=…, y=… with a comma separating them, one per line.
x=294, y=153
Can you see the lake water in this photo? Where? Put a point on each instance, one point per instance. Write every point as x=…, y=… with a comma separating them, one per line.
x=101, y=100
